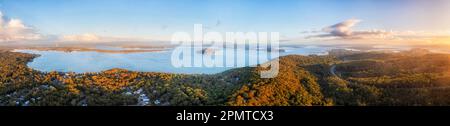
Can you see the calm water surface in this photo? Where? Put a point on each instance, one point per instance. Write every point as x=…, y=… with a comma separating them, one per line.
x=80, y=62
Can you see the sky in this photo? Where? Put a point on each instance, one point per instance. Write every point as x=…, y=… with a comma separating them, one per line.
x=296, y=20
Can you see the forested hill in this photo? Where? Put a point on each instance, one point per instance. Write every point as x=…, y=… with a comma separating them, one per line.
x=350, y=78
x=296, y=84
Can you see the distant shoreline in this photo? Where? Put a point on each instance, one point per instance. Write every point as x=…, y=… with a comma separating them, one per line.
x=70, y=49
x=88, y=49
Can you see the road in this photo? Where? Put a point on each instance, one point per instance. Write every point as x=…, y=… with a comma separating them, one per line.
x=333, y=70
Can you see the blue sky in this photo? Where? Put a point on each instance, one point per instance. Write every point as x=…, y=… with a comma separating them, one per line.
x=141, y=18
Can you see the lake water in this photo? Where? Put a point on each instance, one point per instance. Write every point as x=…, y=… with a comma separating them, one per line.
x=80, y=62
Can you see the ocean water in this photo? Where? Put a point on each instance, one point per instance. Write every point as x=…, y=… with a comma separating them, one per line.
x=161, y=61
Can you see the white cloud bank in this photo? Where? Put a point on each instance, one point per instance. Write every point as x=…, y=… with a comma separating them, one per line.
x=80, y=38
x=95, y=38
x=345, y=32
x=14, y=30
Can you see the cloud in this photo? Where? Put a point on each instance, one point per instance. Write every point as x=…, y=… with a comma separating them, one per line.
x=88, y=37
x=15, y=30
x=344, y=30
x=94, y=38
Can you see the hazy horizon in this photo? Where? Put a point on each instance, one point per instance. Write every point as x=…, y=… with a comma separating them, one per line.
x=298, y=22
